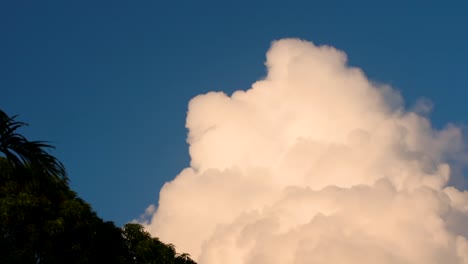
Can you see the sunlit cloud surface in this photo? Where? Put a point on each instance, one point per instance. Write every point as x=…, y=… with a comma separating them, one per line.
x=315, y=164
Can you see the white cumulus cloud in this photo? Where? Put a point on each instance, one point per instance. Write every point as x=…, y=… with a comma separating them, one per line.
x=315, y=164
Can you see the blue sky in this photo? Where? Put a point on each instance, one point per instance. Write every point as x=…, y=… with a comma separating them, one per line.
x=108, y=82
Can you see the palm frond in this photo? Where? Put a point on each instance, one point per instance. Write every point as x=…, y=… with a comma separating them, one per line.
x=24, y=153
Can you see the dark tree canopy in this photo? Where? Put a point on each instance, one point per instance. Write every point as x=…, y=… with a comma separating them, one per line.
x=43, y=221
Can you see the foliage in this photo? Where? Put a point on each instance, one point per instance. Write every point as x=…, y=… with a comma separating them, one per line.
x=23, y=153
x=43, y=221
x=145, y=249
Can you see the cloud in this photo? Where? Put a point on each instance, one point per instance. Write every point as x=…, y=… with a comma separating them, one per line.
x=315, y=164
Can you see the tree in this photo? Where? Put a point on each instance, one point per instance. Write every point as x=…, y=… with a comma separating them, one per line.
x=23, y=153
x=184, y=258
x=43, y=221
x=144, y=249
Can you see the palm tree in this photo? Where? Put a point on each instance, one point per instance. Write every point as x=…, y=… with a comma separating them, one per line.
x=22, y=153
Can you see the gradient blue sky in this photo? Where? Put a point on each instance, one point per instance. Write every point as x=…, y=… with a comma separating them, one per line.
x=108, y=82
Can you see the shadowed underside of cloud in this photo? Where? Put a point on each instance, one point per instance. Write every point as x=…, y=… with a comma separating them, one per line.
x=314, y=164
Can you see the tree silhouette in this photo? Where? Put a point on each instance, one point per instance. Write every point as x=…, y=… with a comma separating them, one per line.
x=183, y=258
x=145, y=249
x=43, y=221
x=23, y=153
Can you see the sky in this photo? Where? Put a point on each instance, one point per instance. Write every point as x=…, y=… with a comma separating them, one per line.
x=108, y=83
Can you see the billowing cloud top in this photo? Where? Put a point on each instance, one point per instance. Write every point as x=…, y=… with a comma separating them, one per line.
x=314, y=164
